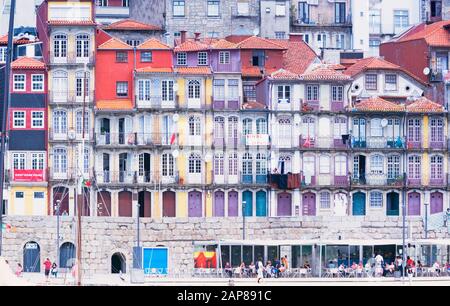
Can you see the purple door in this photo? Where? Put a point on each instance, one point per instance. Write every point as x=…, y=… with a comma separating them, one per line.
x=284, y=207
x=219, y=204
x=414, y=204
x=233, y=204
x=436, y=203
x=195, y=204
x=309, y=204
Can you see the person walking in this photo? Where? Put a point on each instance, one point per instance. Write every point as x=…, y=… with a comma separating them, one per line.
x=19, y=270
x=260, y=270
x=47, y=268
x=54, y=270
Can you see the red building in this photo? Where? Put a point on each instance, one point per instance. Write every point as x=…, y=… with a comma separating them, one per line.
x=424, y=51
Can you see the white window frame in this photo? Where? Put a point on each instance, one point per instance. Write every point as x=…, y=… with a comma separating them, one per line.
x=324, y=164
x=340, y=165
x=202, y=58
x=23, y=119
x=176, y=9
x=20, y=82
x=213, y=8
x=376, y=199
x=224, y=57
x=376, y=130
x=37, y=161
x=19, y=161
x=181, y=58
x=325, y=200
x=3, y=54
x=377, y=164
x=40, y=83
x=39, y=119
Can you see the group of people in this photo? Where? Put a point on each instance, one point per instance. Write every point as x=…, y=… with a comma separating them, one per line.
x=273, y=269
x=50, y=267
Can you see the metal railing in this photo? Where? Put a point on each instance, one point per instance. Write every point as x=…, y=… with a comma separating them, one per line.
x=71, y=58
x=378, y=142
x=70, y=96
x=156, y=102
x=69, y=135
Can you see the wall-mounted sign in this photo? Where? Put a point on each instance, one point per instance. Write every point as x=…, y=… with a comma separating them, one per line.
x=257, y=139
x=28, y=175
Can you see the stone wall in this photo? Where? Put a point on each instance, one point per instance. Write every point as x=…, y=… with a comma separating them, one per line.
x=102, y=237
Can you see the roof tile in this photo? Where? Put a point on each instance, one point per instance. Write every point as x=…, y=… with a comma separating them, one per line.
x=114, y=44
x=130, y=24
x=155, y=70
x=193, y=70
x=27, y=63
x=324, y=73
x=424, y=105
x=252, y=72
x=377, y=104
x=283, y=74
x=153, y=44
x=435, y=34
x=255, y=42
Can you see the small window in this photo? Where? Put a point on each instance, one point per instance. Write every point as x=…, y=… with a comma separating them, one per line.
x=284, y=94
x=146, y=57
x=224, y=57
x=178, y=8
x=312, y=93
x=38, y=195
x=37, y=82
x=371, y=81
x=376, y=199
x=213, y=8
x=280, y=9
x=19, y=195
x=19, y=119
x=133, y=42
x=3, y=54
x=181, y=58
x=325, y=200
x=280, y=35
x=37, y=120
x=121, y=57
x=122, y=89
x=390, y=81
x=337, y=93
x=19, y=82
x=202, y=58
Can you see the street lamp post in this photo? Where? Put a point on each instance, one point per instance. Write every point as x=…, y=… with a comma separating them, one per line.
x=426, y=219
x=57, y=209
x=243, y=219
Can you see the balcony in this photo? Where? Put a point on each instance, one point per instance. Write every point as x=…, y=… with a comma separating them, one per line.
x=67, y=173
x=63, y=97
x=156, y=102
x=69, y=135
x=252, y=179
x=310, y=106
x=115, y=139
x=337, y=106
x=414, y=182
x=112, y=12
x=226, y=104
x=378, y=143
x=437, y=145
x=308, y=180
x=437, y=182
x=71, y=58
x=223, y=179
x=156, y=139
x=260, y=140
x=414, y=144
x=306, y=142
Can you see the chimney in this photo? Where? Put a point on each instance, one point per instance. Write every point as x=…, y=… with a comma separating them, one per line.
x=197, y=36
x=183, y=36
x=295, y=37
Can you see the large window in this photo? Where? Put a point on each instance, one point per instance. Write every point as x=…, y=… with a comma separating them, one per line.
x=59, y=160
x=436, y=167
x=178, y=8
x=37, y=161
x=37, y=82
x=202, y=58
x=167, y=90
x=247, y=164
x=312, y=93
x=60, y=46
x=80, y=122
x=82, y=45
x=324, y=164
x=247, y=126
x=194, y=126
x=284, y=94
x=337, y=93
x=233, y=90
x=146, y=56
x=195, y=163
x=224, y=57
x=261, y=164
x=303, y=12
x=371, y=81
x=121, y=56
x=390, y=82
x=19, y=82
x=213, y=8
x=401, y=20
x=414, y=167
x=261, y=126
x=414, y=130
x=122, y=89
x=376, y=164
x=437, y=130
x=340, y=127
x=194, y=89
x=167, y=163
x=218, y=164
x=393, y=166
x=19, y=161
x=82, y=84
x=37, y=119
x=376, y=130
x=339, y=12
x=19, y=119
x=232, y=164
x=59, y=122
x=340, y=165
x=144, y=90
x=219, y=90
x=219, y=127
x=376, y=199
x=324, y=200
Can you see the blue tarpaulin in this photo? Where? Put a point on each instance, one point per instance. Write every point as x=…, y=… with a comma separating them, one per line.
x=155, y=260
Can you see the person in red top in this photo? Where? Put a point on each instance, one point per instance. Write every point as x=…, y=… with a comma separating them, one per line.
x=47, y=268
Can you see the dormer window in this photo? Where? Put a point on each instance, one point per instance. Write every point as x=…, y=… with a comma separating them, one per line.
x=390, y=82
x=182, y=59
x=202, y=58
x=371, y=82
x=284, y=94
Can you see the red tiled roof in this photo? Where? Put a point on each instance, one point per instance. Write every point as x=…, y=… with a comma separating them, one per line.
x=193, y=70
x=324, y=73
x=423, y=105
x=153, y=44
x=22, y=41
x=71, y=22
x=130, y=24
x=377, y=104
x=298, y=57
x=27, y=63
x=223, y=44
x=114, y=104
x=376, y=63
x=282, y=74
x=114, y=44
x=155, y=70
x=251, y=72
x=235, y=39
x=191, y=45
x=436, y=34
x=255, y=42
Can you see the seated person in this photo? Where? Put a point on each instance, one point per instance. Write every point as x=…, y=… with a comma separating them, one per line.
x=306, y=265
x=437, y=267
x=331, y=265
x=354, y=266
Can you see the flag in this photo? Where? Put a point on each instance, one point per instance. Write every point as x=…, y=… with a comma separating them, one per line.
x=87, y=183
x=172, y=139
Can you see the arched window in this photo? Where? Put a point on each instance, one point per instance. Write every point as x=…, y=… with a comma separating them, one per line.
x=79, y=122
x=82, y=45
x=376, y=199
x=219, y=127
x=59, y=122
x=167, y=165
x=414, y=166
x=247, y=126
x=261, y=126
x=59, y=160
x=194, y=89
x=233, y=127
x=261, y=164
x=285, y=164
x=247, y=164
x=285, y=130
x=436, y=166
x=376, y=164
x=194, y=126
x=195, y=163
x=218, y=164
x=60, y=45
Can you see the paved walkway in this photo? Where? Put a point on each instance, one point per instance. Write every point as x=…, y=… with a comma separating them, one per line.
x=115, y=280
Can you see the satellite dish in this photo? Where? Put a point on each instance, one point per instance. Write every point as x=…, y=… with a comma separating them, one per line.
x=426, y=71
x=256, y=32
x=175, y=117
x=71, y=134
x=175, y=87
x=384, y=122
x=208, y=157
x=175, y=153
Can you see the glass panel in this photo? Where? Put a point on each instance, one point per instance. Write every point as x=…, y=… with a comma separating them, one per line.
x=225, y=254
x=247, y=254
x=259, y=253
x=367, y=253
x=296, y=256
x=236, y=255
x=272, y=253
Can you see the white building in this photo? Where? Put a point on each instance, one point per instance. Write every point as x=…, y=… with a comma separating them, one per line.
x=376, y=21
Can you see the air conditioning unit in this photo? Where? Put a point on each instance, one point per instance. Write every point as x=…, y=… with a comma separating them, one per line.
x=72, y=135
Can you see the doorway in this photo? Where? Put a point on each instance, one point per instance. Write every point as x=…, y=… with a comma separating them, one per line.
x=118, y=263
